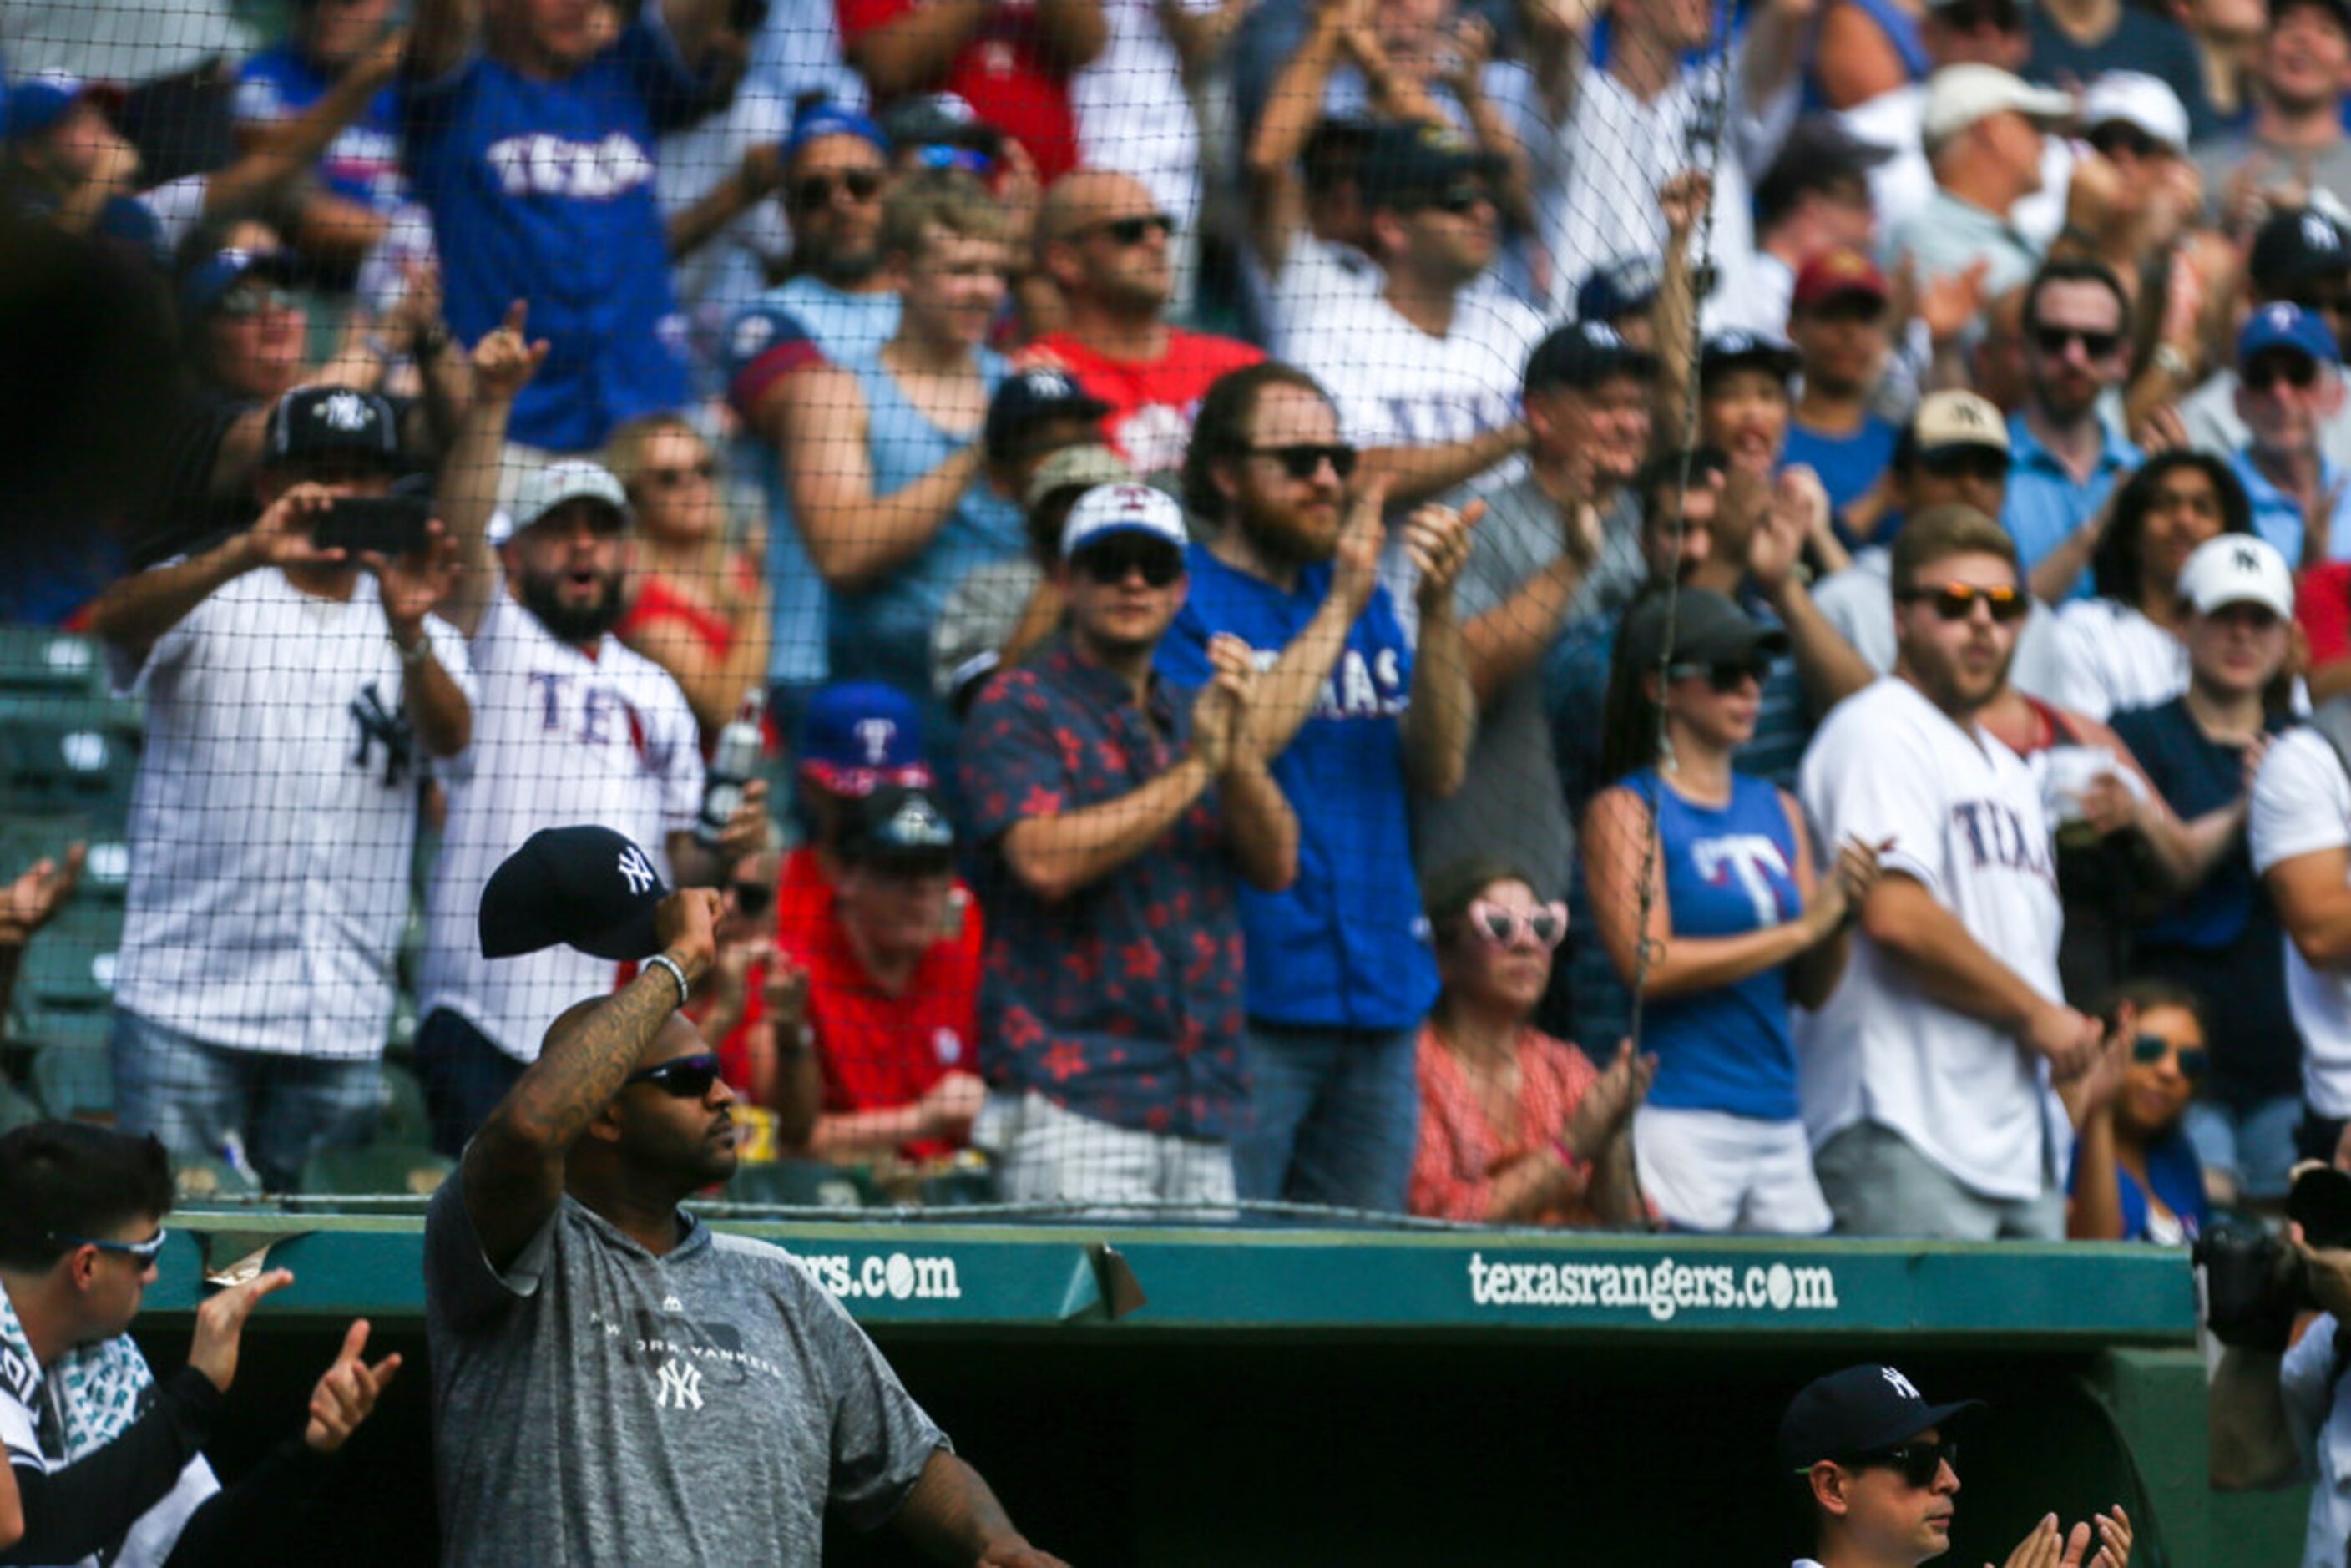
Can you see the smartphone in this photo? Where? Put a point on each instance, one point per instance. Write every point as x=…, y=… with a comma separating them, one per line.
x=387, y=525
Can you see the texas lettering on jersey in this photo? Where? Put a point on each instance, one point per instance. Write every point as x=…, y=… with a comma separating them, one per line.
x=538, y=164
x=1357, y=687
x=596, y=716
x=1995, y=836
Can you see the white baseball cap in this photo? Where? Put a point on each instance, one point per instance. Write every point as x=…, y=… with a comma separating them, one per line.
x=1958, y=96
x=2237, y=568
x=2137, y=99
x=544, y=489
x=1108, y=509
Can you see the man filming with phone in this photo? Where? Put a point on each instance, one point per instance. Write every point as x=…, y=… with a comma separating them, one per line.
x=293, y=684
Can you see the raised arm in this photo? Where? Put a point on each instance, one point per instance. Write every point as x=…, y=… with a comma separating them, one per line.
x=1505, y=642
x=513, y=1170
x=1293, y=108
x=1074, y=32
x=854, y=536
x=1797, y=510
x=1684, y=199
x=693, y=25
x=504, y=364
x=441, y=33
x=134, y=613
x=279, y=153
x=1414, y=474
x=1441, y=718
x=1258, y=820
x=911, y=52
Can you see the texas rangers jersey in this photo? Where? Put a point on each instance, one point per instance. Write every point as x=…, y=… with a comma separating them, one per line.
x=1965, y=821
x=560, y=737
x=544, y=190
x=272, y=818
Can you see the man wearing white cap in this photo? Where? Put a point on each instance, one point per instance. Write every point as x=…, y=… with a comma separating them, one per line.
x=1982, y=129
x=570, y=726
x=1113, y=811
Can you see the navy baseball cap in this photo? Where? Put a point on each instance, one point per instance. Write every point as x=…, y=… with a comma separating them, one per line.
x=1630, y=283
x=940, y=120
x=857, y=736
x=1860, y=1411
x=585, y=887
x=1731, y=350
x=2293, y=247
x=1405, y=165
x=209, y=281
x=42, y=99
x=828, y=118
x=1582, y=354
x=2288, y=327
x=1705, y=628
x=321, y=420
x=1042, y=392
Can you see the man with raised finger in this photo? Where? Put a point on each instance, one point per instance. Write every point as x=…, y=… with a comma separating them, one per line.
x=599, y=1354
x=1356, y=719
x=106, y=1457
x=294, y=694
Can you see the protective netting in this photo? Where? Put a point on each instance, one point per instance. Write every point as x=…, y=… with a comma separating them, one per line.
x=1225, y=589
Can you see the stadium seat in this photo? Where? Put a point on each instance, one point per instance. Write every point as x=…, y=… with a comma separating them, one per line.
x=15, y=1110
x=377, y=1168
x=958, y=1188
x=405, y=1119
x=76, y=755
x=44, y=660
x=801, y=1184
x=65, y=989
x=74, y=1083
x=201, y=1181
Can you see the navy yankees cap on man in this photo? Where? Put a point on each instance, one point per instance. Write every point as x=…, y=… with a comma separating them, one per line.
x=1860, y=1411
x=587, y=887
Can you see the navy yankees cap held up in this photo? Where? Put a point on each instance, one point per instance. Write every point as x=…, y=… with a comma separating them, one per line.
x=1860, y=1411
x=585, y=887
x=1031, y=395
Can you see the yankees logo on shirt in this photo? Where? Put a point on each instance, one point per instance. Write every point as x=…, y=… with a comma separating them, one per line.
x=1965, y=818
x=559, y=737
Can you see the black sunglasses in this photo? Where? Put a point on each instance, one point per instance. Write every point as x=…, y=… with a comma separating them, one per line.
x=683, y=1077
x=1727, y=675
x=2291, y=369
x=1134, y=231
x=1108, y=562
x=2118, y=137
x=1966, y=462
x=1460, y=197
x=1917, y=1461
x=1304, y=459
x=816, y=190
x=141, y=1252
x=2194, y=1060
x=752, y=897
x=1958, y=601
x=2098, y=345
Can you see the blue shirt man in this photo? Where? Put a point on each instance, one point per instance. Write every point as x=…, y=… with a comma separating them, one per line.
x=536, y=163
x=1354, y=717
x=2046, y=504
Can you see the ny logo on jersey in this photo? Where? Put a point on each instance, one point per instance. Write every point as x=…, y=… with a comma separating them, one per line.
x=636, y=869
x=1901, y=1385
x=381, y=724
x=875, y=736
x=1750, y=860
x=680, y=1387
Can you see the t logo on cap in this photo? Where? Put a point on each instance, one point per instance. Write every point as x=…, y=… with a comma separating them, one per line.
x=875, y=734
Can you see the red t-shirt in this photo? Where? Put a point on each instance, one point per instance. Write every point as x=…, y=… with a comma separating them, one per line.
x=1003, y=72
x=2322, y=604
x=1152, y=403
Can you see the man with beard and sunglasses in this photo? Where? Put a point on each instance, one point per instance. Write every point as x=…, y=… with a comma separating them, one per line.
x=2289, y=386
x=2066, y=453
x=599, y=1356
x=1880, y=1472
x=1116, y=816
x=1359, y=719
x=571, y=725
x=1925, y=1080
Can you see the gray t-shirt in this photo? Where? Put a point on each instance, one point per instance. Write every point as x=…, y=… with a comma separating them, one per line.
x=1509, y=803
x=2327, y=170
x=596, y=1404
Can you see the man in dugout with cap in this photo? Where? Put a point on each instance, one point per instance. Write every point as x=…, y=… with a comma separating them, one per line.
x=613, y=1382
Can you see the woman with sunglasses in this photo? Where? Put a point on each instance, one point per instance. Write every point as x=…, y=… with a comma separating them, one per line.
x=1516, y=1128
x=1702, y=885
x=701, y=606
x=2135, y=1175
x=2122, y=649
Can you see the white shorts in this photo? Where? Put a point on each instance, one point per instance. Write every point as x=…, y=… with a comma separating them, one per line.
x=1050, y=1154
x=1708, y=1170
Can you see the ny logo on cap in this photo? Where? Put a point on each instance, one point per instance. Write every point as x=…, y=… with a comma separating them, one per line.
x=1901, y=1385
x=2245, y=560
x=875, y=734
x=636, y=869
x=1965, y=412
x=2318, y=233
x=1051, y=383
x=1601, y=335
x=343, y=411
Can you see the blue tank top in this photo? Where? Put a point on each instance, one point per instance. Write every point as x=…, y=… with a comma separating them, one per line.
x=884, y=632
x=1729, y=870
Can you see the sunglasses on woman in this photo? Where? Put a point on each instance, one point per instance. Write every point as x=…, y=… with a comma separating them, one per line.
x=1958, y=601
x=2194, y=1060
x=1545, y=925
x=704, y=471
x=682, y=1078
x=1728, y=675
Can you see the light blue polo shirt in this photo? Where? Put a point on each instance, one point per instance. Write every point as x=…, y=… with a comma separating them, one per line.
x=2046, y=504
x=2277, y=517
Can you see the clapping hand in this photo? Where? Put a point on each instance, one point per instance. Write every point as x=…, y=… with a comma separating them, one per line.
x=1221, y=715
x=2050, y=1545
x=1607, y=1106
x=1355, y=569
x=1436, y=540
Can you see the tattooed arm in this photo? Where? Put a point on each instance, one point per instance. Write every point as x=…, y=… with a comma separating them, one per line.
x=513, y=1170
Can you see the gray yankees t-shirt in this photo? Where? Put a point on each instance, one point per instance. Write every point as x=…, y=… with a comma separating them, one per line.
x=1511, y=803
x=599, y=1404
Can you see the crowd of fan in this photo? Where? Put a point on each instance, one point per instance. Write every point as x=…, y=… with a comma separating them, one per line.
x=1838, y=494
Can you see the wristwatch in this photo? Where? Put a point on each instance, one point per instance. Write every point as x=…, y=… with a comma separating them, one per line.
x=2168, y=358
